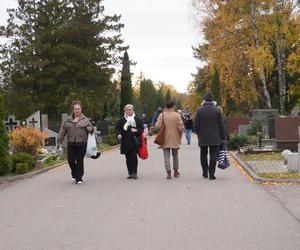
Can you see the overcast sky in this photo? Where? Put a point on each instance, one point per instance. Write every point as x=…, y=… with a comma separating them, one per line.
x=160, y=35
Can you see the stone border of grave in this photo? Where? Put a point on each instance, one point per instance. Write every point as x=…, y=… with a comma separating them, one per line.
x=8, y=179
x=258, y=179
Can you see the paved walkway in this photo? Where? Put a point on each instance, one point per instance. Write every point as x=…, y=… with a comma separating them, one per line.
x=110, y=212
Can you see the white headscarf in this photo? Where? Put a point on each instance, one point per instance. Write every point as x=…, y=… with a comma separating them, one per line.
x=130, y=121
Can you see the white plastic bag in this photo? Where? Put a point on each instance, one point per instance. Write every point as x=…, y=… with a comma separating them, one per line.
x=91, y=148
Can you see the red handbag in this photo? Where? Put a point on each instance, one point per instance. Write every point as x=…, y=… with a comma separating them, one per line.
x=143, y=150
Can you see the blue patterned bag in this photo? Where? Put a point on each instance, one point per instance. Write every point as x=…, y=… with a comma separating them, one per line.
x=223, y=161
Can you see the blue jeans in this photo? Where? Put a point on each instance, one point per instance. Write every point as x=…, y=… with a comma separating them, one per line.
x=188, y=135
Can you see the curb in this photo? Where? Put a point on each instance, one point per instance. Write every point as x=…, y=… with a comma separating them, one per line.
x=29, y=175
x=7, y=179
x=258, y=179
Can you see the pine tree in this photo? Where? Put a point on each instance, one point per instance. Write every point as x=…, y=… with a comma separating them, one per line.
x=148, y=97
x=5, y=164
x=215, y=86
x=168, y=96
x=62, y=48
x=126, y=87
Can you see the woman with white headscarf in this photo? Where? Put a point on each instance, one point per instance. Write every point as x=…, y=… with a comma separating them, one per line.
x=129, y=129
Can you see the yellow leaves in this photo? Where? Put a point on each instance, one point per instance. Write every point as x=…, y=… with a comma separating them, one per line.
x=27, y=139
x=262, y=57
x=294, y=62
x=194, y=100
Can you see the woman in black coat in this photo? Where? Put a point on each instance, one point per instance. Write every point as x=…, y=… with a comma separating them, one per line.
x=209, y=127
x=129, y=129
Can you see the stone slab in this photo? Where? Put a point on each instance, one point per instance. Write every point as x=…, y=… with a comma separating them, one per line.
x=293, y=160
x=268, y=166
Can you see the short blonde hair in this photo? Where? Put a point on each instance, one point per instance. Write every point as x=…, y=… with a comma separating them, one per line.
x=128, y=106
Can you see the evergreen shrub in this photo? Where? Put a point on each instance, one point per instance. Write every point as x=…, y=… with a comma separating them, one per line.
x=22, y=158
x=236, y=141
x=22, y=168
x=110, y=138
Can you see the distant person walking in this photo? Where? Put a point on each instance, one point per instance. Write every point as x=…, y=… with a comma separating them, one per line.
x=179, y=111
x=173, y=134
x=129, y=129
x=210, y=130
x=156, y=115
x=188, y=124
x=76, y=127
x=146, y=124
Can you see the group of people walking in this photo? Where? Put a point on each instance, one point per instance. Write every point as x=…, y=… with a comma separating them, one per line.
x=208, y=125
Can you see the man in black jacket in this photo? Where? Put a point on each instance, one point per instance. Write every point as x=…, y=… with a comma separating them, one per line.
x=209, y=127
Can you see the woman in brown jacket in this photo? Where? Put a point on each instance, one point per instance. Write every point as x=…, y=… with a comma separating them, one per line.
x=76, y=127
x=173, y=133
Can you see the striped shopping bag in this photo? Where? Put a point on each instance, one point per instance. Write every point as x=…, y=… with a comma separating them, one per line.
x=223, y=161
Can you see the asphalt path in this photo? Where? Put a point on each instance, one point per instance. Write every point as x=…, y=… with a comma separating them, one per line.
x=110, y=212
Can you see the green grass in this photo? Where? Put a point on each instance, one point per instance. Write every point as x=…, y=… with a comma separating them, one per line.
x=289, y=175
x=53, y=161
x=261, y=157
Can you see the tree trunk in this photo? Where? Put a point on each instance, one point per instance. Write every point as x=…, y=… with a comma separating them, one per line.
x=281, y=72
x=257, y=45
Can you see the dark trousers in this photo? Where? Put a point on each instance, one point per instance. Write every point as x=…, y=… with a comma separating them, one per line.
x=75, y=159
x=132, y=161
x=213, y=154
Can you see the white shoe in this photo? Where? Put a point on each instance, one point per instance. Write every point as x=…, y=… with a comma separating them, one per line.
x=73, y=179
x=79, y=182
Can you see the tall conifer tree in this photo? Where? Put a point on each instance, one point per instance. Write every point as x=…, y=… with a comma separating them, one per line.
x=168, y=96
x=4, y=156
x=126, y=87
x=215, y=86
x=58, y=49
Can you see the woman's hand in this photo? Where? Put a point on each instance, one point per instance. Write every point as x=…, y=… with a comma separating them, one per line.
x=133, y=130
x=119, y=137
x=89, y=129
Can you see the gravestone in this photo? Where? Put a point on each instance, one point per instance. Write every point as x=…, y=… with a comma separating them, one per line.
x=34, y=120
x=233, y=123
x=244, y=130
x=272, y=128
x=51, y=142
x=45, y=123
x=261, y=118
x=11, y=123
x=293, y=159
x=286, y=133
x=63, y=118
x=295, y=111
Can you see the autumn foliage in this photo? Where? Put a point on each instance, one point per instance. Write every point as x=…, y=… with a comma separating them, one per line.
x=27, y=140
x=254, y=45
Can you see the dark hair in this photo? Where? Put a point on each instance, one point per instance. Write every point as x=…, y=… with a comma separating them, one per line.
x=75, y=103
x=208, y=97
x=169, y=104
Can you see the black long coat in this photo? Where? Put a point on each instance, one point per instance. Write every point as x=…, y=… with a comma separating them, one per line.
x=209, y=125
x=127, y=141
